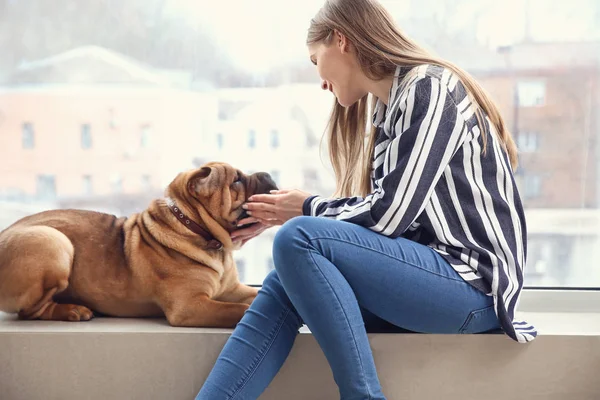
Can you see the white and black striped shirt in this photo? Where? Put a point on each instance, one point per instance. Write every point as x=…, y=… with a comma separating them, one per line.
x=432, y=184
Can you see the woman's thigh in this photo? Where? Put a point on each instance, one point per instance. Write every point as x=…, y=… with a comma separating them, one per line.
x=398, y=280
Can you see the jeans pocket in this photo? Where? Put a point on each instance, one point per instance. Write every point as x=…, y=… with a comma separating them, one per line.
x=480, y=320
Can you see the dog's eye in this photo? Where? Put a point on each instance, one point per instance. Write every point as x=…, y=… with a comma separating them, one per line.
x=238, y=179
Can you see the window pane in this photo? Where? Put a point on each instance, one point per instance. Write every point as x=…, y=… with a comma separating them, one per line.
x=531, y=93
x=46, y=187
x=28, y=136
x=86, y=136
x=274, y=139
x=105, y=119
x=88, y=188
x=251, y=138
x=146, y=182
x=145, y=136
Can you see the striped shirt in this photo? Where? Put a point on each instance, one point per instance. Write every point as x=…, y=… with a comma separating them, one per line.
x=432, y=184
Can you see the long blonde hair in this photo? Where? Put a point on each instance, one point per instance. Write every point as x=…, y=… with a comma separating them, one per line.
x=380, y=47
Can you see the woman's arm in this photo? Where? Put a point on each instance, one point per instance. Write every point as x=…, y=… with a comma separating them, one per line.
x=427, y=133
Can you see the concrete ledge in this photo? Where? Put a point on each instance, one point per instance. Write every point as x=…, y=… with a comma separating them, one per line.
x=147, y=359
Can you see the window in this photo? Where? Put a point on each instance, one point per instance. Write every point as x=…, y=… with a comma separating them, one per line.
x=251, y=138
x=145, y=136
x=113, y=123
x=532, y=185
x=260, y=107
x=28, y=135
x=46, y=187
x=241, y=267
x=88, y=187
x=116, y=184
x=311, y=178
x=275, y=175
x=274, y=138
x=527, y=142
x=146, y=182
x=531, y=93
x=270, y=264
x=86, y=136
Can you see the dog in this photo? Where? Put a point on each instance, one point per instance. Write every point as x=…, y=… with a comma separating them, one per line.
x=172, y=260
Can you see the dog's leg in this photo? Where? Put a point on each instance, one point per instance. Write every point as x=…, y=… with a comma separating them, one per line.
x=35, y=265
x=201, y=311
x=50, y=310
x=240, y=294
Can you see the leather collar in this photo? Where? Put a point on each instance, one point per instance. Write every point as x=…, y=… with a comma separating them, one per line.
x=192, y=226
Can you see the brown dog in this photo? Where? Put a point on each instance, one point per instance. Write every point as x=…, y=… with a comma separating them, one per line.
x=174, y=259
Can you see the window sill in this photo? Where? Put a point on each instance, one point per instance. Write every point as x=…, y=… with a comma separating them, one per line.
x=146, y=358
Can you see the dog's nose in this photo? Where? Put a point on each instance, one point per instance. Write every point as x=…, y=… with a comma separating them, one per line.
x=266, y=182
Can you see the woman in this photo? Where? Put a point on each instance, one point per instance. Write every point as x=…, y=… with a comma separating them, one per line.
x=436, y=241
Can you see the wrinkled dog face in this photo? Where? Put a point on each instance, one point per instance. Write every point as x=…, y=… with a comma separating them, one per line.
x=222, y=190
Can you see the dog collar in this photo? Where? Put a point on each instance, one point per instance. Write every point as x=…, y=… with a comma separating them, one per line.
x=192, y=226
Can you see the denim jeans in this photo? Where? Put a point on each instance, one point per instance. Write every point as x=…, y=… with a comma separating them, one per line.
x=343, y=280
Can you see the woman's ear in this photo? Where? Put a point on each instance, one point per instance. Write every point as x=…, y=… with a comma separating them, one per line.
x=342, y=41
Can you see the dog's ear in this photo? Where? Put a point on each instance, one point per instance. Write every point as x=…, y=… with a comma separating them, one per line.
x=199, y=179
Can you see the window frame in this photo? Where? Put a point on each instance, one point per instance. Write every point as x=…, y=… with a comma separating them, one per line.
x=557, y=300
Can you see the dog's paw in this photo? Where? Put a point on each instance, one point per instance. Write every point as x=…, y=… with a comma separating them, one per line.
x=78, y=313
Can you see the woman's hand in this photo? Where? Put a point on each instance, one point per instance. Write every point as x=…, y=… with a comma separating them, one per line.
x=277, y=207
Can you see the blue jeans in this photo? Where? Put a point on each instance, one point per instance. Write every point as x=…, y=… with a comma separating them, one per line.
x=343, y=280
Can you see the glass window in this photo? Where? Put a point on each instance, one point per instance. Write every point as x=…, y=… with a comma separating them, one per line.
x=155, y=79
x=251, y=138
x=46, y=187
x=146, y=182
x=531, y=93
x=86, y=136
x=28, y=136
x=145, y=136
x=240, y=263
x=275, y=175
x=116, y=184
x=274, y=138
x=88, y=187
x=532, y=186
x=527, y=142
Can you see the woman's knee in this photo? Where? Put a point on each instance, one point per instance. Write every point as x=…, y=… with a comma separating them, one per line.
x=291, y=235
x=290, y=244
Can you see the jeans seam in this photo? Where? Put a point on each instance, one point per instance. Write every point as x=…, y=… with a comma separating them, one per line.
x=387, y=255
x=310, y=252
x=470, y=317
x=255, y=365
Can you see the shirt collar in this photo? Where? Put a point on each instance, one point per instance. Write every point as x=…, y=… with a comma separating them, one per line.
x=381, y=109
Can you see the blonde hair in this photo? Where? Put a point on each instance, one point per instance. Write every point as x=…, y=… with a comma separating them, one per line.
x=380, y=47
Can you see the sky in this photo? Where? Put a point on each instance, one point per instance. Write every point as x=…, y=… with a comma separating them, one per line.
x=260, y=34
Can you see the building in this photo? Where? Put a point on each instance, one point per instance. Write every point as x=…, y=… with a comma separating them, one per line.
x=92, y=122
x=549, y=95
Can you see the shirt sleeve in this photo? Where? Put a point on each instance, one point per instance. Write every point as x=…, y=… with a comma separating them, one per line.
x=428, y=130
